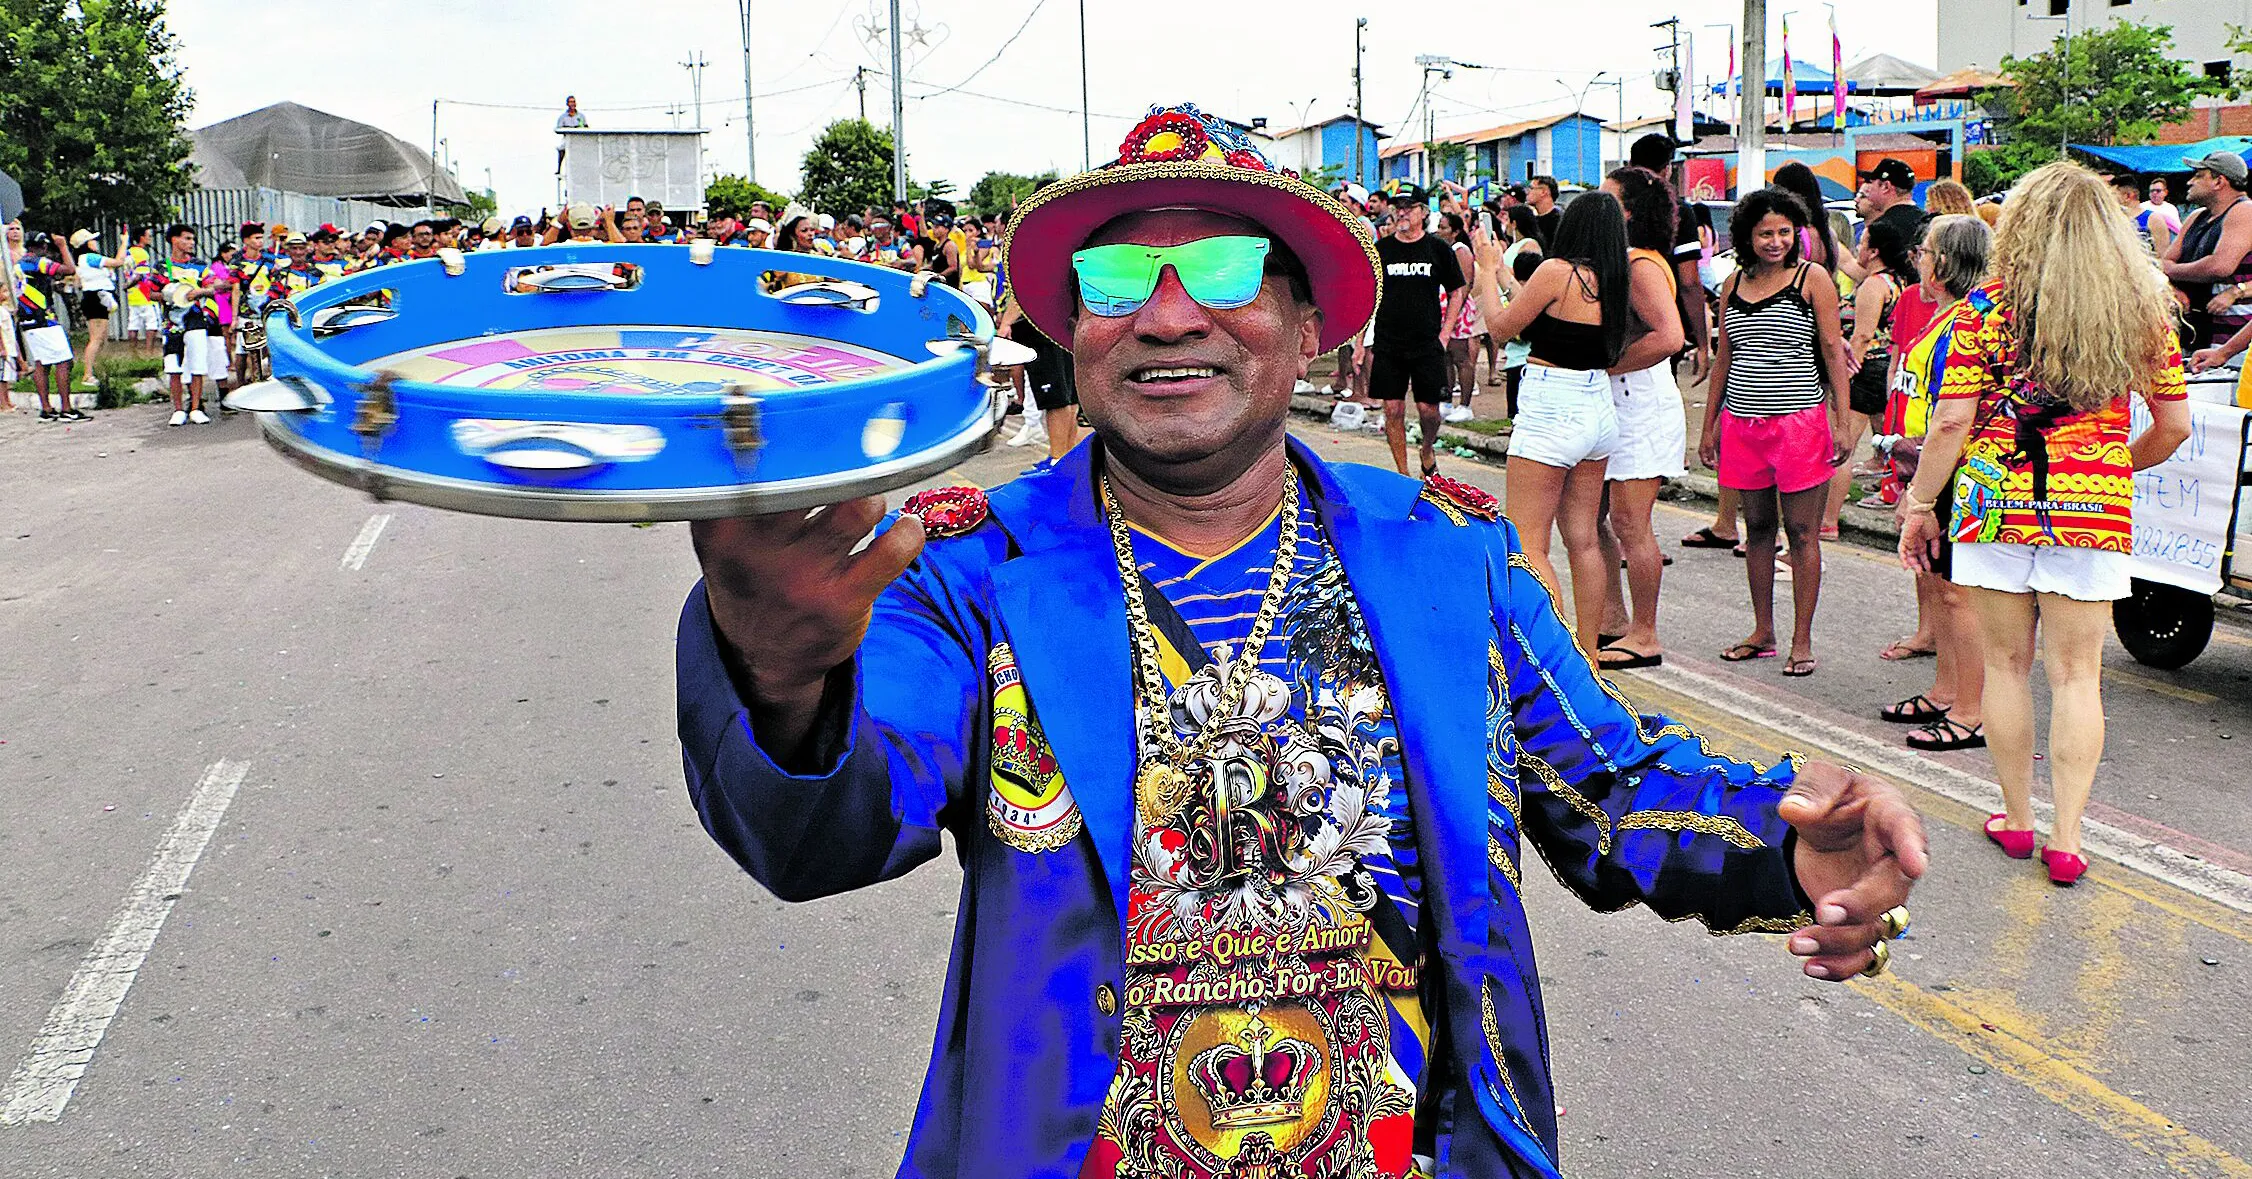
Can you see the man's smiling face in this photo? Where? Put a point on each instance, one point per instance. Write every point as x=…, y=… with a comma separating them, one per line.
x=1178, y=383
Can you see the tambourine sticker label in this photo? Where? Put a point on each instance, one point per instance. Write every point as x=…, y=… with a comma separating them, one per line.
x=654, y=361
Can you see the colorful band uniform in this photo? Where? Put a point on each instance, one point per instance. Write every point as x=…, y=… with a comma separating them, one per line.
x=1311, y=958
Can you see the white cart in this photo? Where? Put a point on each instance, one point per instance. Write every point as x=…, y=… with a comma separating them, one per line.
x=2190, y=525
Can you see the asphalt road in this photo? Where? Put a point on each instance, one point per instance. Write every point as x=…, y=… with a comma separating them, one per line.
x=459, y=919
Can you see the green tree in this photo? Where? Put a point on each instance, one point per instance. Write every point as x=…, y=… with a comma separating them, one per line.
x=480, y=206
x=1449, y=156
x=92, y=110
x=847, y=169
x=735, y=194
x=1983, y=171
x=2117, y=85
x=1328, y=176
x=997, y=192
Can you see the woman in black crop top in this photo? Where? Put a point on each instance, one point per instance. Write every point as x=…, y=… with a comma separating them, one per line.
x=1573, y=313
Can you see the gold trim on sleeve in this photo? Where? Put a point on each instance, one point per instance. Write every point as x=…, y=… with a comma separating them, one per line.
x=1499, y=858
x=1766, y=925
x=1723, y=826
x=1573, y=798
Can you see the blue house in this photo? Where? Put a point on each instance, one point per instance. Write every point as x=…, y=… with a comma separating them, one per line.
x=1570, y=146
x=1329, y=142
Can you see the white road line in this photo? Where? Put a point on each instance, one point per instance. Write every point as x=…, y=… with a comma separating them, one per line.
x=2175, y=867
x=50, y=1071
x=357, y=554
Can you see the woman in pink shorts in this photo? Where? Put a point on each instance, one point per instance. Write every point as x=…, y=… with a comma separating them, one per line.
x=1774, y=434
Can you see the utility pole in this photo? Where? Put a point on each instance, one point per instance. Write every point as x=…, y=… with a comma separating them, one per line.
x=860, y=83
x=1431, y=63
x=695, y=67
x=1086, y=127
x=1751, y=118
x=1360, y=129
x=1672, y=26
x=898, y=110
x=750, y=140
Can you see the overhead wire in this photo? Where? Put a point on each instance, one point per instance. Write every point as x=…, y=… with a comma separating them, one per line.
x=1039, y=106
x=647, y=106
x=815, y=52
x=1021, y=27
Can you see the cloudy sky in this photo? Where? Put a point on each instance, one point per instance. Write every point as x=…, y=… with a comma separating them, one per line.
x=499, y=69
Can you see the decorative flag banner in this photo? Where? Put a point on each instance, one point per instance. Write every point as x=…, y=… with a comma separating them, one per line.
x=1684, y=122
x=1790, y=79
x=1837, y=76
x=1735, y=87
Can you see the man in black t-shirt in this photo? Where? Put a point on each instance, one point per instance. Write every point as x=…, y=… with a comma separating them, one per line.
x=1540, y=193
x=1888, y=195
x=1423, y=293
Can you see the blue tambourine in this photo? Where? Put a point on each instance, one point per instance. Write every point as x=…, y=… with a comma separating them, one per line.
x=628, y=382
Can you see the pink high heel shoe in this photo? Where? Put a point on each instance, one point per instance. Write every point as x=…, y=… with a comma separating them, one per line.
x=2018, y=845
x=2065, y=868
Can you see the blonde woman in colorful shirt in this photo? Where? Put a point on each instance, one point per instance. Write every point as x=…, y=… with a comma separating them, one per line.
x=2032, y=423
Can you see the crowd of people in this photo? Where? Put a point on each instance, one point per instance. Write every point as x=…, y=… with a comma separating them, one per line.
x=1904, y=333
x=1910, y=332
x=201, y=304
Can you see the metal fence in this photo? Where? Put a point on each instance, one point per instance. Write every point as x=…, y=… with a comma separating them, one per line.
x=218, y=213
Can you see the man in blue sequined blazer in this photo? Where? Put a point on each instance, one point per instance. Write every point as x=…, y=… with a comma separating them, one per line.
x=1243, y=753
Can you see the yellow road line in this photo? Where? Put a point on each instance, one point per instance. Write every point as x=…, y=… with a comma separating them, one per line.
x=2190, y=695
x=2187, y=906
x=2002, y=1038
x=2222, y=634
x=2019, y=1053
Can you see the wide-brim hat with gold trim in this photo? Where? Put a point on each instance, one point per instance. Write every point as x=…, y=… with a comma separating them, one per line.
x=1181, y=158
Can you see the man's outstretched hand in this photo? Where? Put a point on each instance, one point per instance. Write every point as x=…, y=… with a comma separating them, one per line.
x=792, y=599
x=1860, y=849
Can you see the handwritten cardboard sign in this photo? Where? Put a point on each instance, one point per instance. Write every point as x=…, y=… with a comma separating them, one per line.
x=2185, y=506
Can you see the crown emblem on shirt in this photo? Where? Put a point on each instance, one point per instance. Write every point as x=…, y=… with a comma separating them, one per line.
x=1255, y=1080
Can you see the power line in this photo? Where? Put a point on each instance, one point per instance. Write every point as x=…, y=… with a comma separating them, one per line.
x=1038, y=106
x=1036, y=7
x=821, y=113
x=815, y=52
x=649, y=106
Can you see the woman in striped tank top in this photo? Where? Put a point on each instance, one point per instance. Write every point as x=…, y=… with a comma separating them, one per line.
x=1776, y=430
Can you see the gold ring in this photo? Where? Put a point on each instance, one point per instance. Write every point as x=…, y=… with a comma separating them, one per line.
x=1893, y=922
x=1883, y=952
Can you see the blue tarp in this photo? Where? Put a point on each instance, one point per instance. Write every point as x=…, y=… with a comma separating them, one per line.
x=2168, y=157
x=1811, y=78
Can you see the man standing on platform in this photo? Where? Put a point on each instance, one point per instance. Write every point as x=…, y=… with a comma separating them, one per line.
x=1242, y=753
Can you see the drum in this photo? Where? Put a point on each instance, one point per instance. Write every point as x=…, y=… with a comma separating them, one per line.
x=628, y=382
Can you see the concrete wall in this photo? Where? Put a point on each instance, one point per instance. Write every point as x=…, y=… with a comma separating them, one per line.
x=1981, y=32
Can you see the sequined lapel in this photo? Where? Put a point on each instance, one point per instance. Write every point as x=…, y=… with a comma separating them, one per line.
x=1063, y=609
x=1421, y=586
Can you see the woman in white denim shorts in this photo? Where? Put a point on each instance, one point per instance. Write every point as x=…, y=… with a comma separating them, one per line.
x=1573, y=312
x=1653, y=427
x=2032, y=424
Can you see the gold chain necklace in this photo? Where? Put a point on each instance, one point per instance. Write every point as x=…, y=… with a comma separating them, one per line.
x=1162, y=784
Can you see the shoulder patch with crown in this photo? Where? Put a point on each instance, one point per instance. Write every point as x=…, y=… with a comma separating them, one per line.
x=1458, y=499
x=947, y=511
